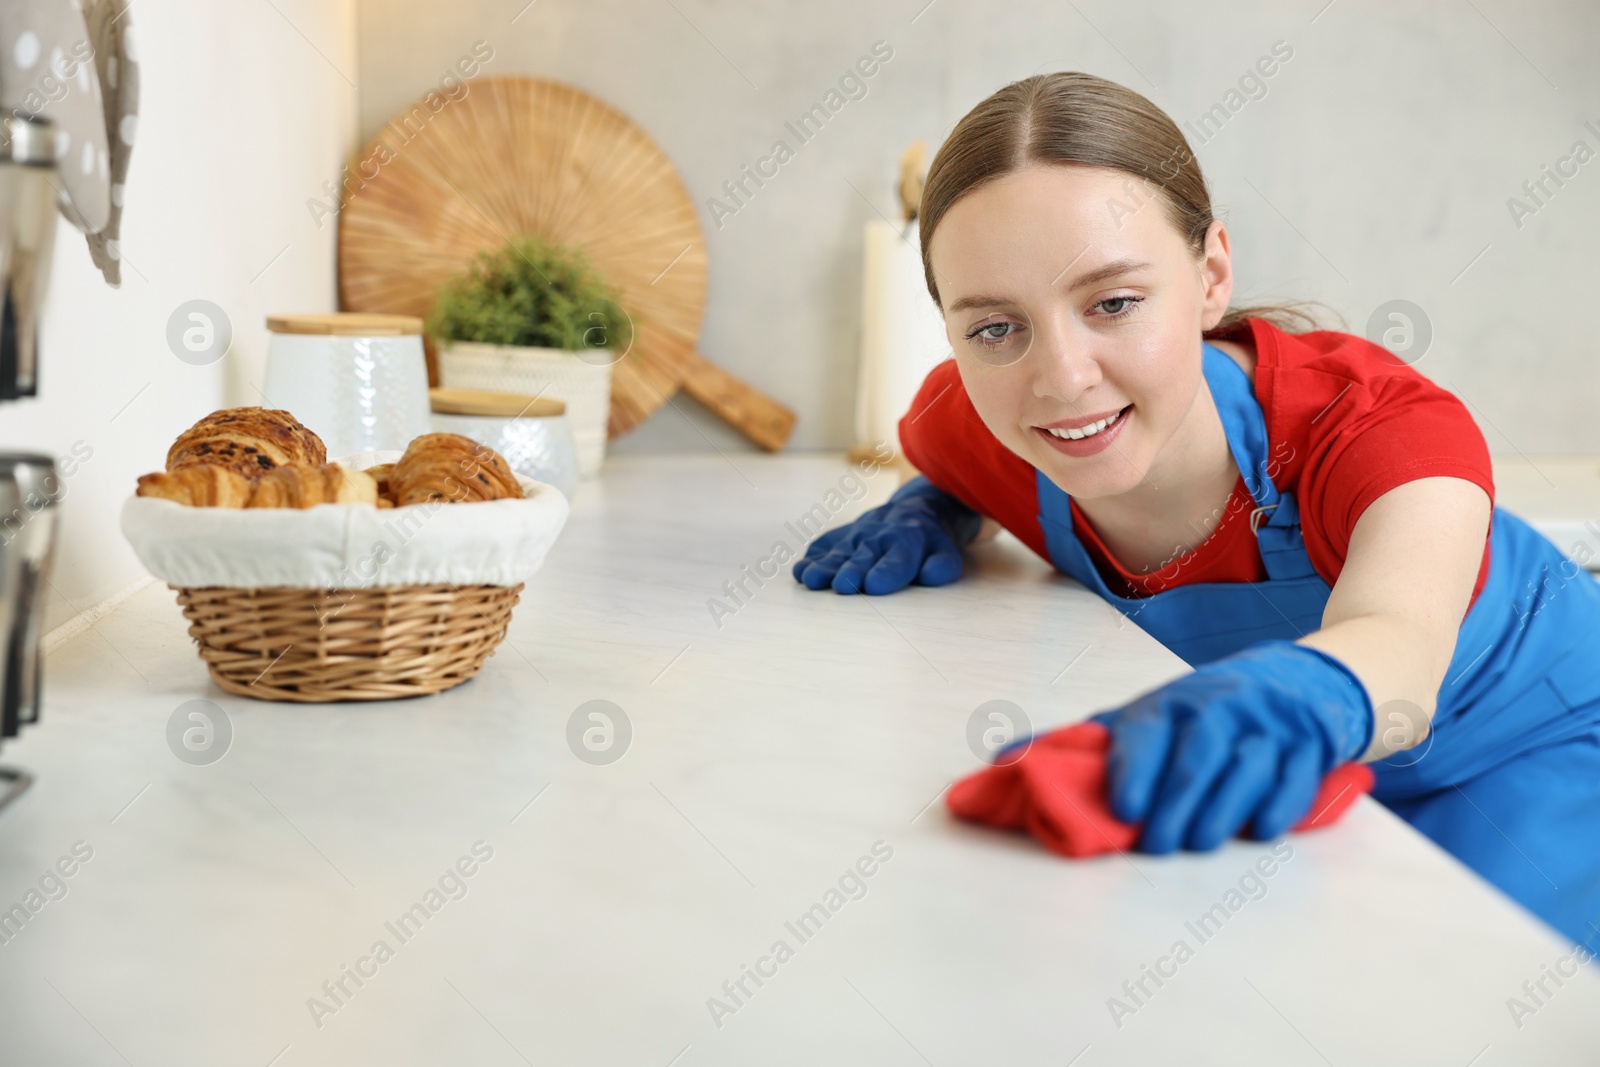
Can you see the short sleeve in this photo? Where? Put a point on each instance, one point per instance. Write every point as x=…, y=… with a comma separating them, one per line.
x=918, y=428
x=944, y=439
x=1388, y=425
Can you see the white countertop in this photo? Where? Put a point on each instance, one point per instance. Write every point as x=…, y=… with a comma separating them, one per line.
x=1558, y=495
x=767, y=757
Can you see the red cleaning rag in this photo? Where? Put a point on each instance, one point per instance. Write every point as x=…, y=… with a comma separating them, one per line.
x=1057, y=792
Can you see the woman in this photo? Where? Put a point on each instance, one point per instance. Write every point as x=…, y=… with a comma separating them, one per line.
x=1303, y=518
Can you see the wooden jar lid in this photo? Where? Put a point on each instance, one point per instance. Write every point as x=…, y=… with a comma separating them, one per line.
x=346, y=324
x=502, y=405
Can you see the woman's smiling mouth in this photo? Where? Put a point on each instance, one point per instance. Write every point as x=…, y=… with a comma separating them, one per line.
x=1084, y=438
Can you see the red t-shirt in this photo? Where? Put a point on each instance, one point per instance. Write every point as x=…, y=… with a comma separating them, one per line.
x=1348, y=420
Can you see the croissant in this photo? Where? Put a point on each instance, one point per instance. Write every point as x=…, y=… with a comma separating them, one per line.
x=198, y=486
x=251, y=441
x=302, y=486
x=448, y=466
x=380, y=474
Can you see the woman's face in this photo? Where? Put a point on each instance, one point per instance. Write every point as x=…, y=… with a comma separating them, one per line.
x=1069, y=296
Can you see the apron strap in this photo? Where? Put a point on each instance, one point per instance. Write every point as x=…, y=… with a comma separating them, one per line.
x=1276, y=518
x=1243, y=421
x=1283, y=548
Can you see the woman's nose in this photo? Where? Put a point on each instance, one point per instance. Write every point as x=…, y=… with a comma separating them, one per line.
x=1065, y=367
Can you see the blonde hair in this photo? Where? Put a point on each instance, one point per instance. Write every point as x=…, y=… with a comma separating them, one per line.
x=1071, y=117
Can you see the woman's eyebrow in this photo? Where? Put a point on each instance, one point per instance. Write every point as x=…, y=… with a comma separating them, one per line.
x=978, y=302
x=1105, y=272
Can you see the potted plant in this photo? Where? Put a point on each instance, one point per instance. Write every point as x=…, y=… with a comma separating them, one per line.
x=536, y=318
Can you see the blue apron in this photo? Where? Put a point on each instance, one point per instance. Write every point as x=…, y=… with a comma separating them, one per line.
x=1509, y=777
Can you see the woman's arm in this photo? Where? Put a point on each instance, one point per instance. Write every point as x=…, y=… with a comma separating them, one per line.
x=1397, y=607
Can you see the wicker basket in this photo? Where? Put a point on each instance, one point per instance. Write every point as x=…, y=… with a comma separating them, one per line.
x=320, y=645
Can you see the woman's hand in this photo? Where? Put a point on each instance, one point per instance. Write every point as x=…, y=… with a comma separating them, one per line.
x=918, y=535
x=1242, y=741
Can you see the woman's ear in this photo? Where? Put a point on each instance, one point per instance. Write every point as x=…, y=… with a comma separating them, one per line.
x=1216, y=275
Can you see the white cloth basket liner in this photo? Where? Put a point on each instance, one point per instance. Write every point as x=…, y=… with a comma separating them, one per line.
x=347, y=546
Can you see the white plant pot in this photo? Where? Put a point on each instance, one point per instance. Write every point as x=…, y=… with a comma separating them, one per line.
x=550, y=372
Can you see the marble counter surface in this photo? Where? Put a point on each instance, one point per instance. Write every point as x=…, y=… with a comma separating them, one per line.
x=1559, y=496
x=779, y=781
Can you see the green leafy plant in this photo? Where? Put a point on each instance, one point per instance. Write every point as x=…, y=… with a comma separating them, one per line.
x=534, y=293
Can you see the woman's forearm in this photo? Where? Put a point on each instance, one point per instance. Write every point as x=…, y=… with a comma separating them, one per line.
x=1395, y=612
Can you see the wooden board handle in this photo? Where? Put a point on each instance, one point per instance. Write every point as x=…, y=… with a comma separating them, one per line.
x=745, y=408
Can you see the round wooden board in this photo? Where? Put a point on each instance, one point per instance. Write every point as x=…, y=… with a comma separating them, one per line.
x=526, y=155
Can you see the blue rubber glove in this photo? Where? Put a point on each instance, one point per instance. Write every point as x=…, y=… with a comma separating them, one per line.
x=1243, y=740
x=918, y=534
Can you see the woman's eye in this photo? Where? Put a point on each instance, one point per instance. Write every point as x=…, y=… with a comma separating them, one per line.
x=1124, y=306
x=992, y=333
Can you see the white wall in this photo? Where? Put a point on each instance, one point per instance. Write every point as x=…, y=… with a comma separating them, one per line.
x=1377, y=166
x=240, y=121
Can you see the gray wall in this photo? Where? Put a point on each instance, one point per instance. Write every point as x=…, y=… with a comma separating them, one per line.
x=1377, y=166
